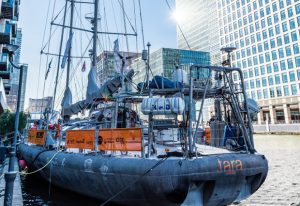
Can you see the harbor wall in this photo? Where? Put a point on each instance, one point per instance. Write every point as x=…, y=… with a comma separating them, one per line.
x=277, y=129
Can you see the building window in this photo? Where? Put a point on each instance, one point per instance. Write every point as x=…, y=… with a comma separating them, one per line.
x=286, y=90
x=262, y=14
x=297, y=8
x=297, y=60
x=295, y=115
x=278, y=91
x=290, y=12
x=272, y=93
x=274, y=55
x=253, y=95
x=262, y=70
x=282, y=65
x=294, y=89
x=282, y=14
x=277, y=29
x=290, y=64
x=298, y=20
x=284, y=27
x=266, y=93
x=284, y=78
x=274, y=7
x=280, y=116
x=269, y=20
x=259, y=96
x=277, y=79
x=270, y=79
x=292, y=24
x=252, y=86
x=258, y=83
x=256, y=71
x=296, y=49
x=288, y=51
x=266, y=46
x=275, y=66
x=258, y=37
x=256, y=26
x=268, y=10
x=253, y=49
x=281, y=53
x=271, y=32
x=298, y=74
x=292, y=77
x=279, y=41
x=267, y=56
x=255, y=61
x=264, y=82
x=286, y=39
x=294, y=36
x=256, y=15
x=260, y=49
x=254, y=5
x=281, y=4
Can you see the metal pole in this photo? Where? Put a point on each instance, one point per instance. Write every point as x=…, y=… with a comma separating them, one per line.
x=11, y=174
x=95, y=34
x=150, y=117
x=70, y=49
x=60, y=48
x=190, y=132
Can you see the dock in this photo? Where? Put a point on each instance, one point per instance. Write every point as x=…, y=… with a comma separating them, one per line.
x=17, y=193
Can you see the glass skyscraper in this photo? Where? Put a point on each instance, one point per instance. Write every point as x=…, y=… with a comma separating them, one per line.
x=267, y=37
x=164, y=61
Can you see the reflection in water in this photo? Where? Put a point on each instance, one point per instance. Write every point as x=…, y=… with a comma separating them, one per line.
x=282, y=186
x=37, y=191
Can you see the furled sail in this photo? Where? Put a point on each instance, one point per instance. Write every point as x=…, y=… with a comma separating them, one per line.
x=92, y=87
x=105, y=91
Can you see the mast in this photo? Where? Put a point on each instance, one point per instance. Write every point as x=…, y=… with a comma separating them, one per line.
x=59, y=55
x=94, y=60
x=70, y=49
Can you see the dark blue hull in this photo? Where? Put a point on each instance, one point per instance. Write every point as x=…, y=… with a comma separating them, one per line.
x=206, y=180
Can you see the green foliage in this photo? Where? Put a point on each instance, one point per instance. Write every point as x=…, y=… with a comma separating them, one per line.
x=7, y=122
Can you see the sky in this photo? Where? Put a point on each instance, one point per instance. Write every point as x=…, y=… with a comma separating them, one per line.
x=159, y=30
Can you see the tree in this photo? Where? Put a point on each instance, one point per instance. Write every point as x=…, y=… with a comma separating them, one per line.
x=7, y=122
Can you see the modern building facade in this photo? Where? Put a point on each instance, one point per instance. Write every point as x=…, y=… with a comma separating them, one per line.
x=9, y=15
x=267, y=37
x=15, y=74
x=199, y=26
x=164, y=61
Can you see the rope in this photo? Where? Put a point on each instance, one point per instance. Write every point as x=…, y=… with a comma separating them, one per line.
x=40, y=62
x=138, y=179
x=29, y=173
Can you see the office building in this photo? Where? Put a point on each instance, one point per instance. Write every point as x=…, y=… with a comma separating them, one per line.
x=164, y=61
x=106, y=64
x=15, y=74
x=9, y=15
x=267, y=37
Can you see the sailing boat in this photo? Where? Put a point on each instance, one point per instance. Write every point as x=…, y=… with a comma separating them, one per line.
x=124, y=165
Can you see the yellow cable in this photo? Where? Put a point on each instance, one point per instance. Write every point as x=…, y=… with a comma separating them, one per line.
x=29, y=173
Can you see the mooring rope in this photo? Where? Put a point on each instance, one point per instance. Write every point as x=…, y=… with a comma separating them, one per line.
x=29, y=173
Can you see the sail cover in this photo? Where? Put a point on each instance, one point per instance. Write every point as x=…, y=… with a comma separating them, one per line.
x=92, y=87
x=106, y=91
x=67, y=100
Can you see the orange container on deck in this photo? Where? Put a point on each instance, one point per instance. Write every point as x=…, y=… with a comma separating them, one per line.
x=207, y=135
